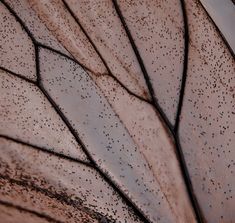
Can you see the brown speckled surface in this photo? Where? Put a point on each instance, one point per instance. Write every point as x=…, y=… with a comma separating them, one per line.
x=115, y=111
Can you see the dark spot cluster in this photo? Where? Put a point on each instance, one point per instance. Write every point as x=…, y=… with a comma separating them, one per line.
x=59, y=187
x=43, y=201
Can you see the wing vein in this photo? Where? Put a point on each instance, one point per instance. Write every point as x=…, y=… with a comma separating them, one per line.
x=62, y=198
x=45, y=150
x=99, y=54
x=159, y=111
x=20, y=208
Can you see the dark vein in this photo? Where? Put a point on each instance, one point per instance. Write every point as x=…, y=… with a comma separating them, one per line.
x=38, y=44
x=19, y=20
x=25, y=28
x=18, y=75
x=88, y=69
x=185, y=67
x=196, y=206
x=148, y=82
x=170, y=128
x=26, y=210
x=99, y=54
x=64, y=55
x=189, y=187
x=54, y=105
x=63, y=198
x=218, y=30
x=36, y=49
x=47, y=151
x=105, y=176
x=142, y=66
x=93, y=163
